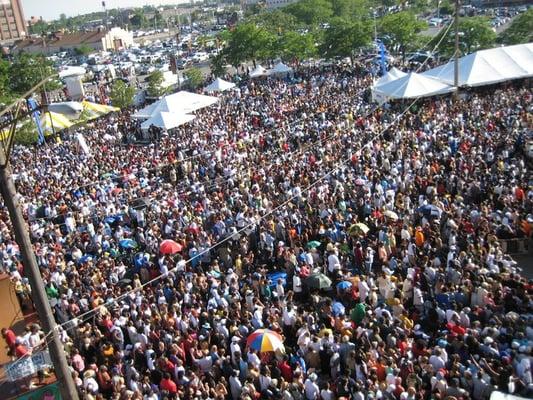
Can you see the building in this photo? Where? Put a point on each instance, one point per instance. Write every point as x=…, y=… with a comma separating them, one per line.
x=12, y=22
x=99, y=39
x=273, y=4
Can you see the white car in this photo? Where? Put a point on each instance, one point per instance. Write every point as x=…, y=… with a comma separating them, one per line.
x=200, y=56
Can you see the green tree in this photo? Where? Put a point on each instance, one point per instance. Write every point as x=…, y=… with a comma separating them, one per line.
x=296, y=46
x=26, y=134
x=122, y=94
x=218, y=65
x=27, y=70
x=248, y=42
x=275, y=21
x=155, y=84
x=5, y=89
x=350, y=8
x=344, y=37
x=39, y=28
x=520, y=30
x=402, y=27
x=194, y=76
x=311, y=12
x=83, y=50
x=139, y=20
x=475, y=33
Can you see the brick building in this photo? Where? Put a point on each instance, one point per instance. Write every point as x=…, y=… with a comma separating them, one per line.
x=12, y=22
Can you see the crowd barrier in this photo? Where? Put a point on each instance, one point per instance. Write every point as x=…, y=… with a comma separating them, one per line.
x=516, y=246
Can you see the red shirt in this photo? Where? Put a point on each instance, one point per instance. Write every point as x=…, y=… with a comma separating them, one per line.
x=10, y=338
x=168, y=385
x=286, y=371
x=20, y=350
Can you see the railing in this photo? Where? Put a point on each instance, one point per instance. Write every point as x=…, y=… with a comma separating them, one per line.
x=516, y=246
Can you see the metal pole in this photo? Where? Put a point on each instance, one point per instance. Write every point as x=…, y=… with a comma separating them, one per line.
x=456, y=57
x=57, y=353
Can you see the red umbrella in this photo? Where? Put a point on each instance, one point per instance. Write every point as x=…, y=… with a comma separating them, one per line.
x=169, y=247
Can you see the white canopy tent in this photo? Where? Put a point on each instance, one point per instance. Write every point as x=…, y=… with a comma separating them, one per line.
x=219, y=85
x=393, y=74
x=72, y=71
x=486, y=67
x=71, y=109
x=412, y=85
x=180, y=103
x=504, y=396
x=280, y=69
x=258, y=71
x=167, y=120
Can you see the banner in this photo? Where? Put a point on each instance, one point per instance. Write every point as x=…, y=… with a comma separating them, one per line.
x=28, y=366
x=382, y=58
x=36, y=115
x=83, y=144
x=48, y=392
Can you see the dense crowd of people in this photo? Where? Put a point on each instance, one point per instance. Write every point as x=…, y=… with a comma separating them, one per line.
x=401, y=209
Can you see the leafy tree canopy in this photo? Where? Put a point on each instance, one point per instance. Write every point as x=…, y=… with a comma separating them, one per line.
x=344, y=37
x=155, y=84
x=121, y=94
x=402, y=27
x=520, y=30
x=311, y=12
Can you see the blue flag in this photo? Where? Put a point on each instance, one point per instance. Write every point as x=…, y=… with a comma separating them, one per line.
x=382, y=54
x=36, y=115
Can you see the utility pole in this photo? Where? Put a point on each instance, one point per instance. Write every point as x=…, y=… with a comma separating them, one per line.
x=44, y=311
x=456, y=56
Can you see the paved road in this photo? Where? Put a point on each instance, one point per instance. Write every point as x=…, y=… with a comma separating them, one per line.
x=433, y=30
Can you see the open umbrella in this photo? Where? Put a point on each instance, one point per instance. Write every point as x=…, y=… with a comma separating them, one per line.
x=265, y=340
x=338, y=309
x=127, y=244
x=274, y=276
x=358, y=228
x=313, y=244
x=318, y=281
x=429, y=210
x=344, y=285
x=391, y=215
x=169, y=247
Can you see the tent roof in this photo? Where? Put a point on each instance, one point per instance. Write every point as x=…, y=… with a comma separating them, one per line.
x=490, y=66
x=66, y=107
x=219, y=85
x=167, y=120
x=181, y=103
x=280, y=68
x=413, y=85
x=258, y=71
x=393, y=74
x=72, y=71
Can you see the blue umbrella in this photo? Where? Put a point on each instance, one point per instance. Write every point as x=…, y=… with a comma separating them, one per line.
x=84, y=259
x=429, y=210
x=274, y=276
x=338, y=309
x=127, y=244
x=344, y=285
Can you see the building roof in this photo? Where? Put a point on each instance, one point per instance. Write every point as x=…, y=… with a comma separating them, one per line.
x=65, y=40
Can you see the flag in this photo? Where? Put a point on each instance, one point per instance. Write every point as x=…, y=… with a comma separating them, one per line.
x=36, y=115
x=382, y=54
